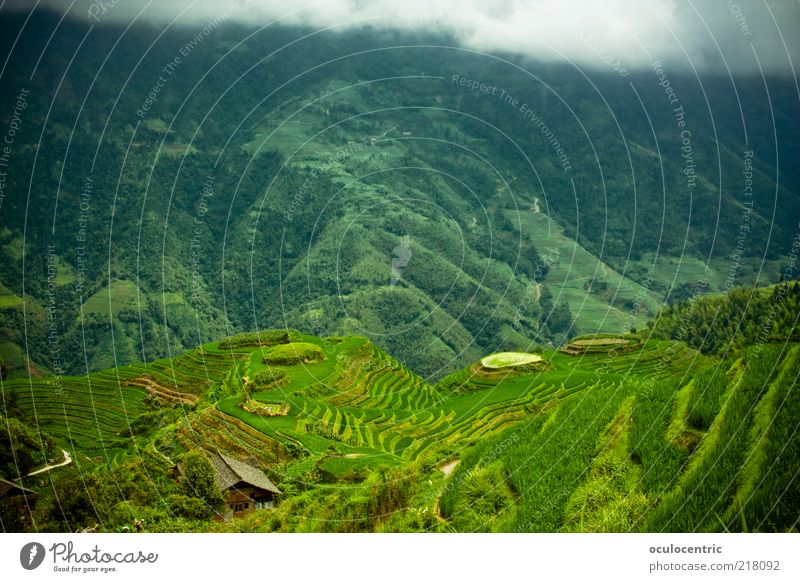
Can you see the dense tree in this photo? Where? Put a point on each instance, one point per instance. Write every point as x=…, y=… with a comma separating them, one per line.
x=723, y=324
x=198, y=480
x=22, y=448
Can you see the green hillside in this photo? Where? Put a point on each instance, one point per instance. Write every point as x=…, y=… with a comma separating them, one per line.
x=609, y=433
x=723, y=325
x=418, y=285
x=435, y=220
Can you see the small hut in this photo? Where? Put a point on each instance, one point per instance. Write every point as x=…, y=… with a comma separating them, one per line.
x=244, y=487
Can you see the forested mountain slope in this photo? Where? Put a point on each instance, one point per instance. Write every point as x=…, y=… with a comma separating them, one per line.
x=363, y=183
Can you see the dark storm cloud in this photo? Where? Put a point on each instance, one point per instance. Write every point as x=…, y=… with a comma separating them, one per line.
x=743, y=35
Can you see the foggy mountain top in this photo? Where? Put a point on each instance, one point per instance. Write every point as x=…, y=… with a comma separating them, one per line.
x=742, y=36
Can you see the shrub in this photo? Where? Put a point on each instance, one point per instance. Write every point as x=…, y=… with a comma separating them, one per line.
x=264, y=338
x=189, y=507
x=294, y=353
x=268, y=378
x=198, y=479
x=266, y=409
x=22, y=448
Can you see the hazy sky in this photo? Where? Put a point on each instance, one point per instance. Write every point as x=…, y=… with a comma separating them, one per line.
x=628, y=34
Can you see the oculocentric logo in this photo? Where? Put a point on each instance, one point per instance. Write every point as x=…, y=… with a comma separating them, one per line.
x=31, y=555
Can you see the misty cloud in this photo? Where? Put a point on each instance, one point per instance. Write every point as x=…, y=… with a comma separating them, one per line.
x=742, y=35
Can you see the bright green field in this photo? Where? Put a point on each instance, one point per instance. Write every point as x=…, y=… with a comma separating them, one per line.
x=595, y=442
x=572, y=267
x=118, y=296
x=8, y=298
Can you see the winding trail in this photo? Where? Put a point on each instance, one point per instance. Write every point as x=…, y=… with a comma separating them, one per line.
x=447, y=469
x=67, y=460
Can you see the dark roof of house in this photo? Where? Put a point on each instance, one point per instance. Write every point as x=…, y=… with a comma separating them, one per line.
x=11, y=489
x=228, y=472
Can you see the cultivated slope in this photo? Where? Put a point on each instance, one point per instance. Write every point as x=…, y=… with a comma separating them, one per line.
x=625, y=435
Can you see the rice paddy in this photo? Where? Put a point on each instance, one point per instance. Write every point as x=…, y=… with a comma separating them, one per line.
x=639, y=421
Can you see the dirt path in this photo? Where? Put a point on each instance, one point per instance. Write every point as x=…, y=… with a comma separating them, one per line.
x=448, y=467
x=67, y=460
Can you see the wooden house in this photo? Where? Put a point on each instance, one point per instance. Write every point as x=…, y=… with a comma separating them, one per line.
x=244, y=487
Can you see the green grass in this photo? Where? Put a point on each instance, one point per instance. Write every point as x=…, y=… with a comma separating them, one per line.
x=293, y=353
x=8, y=298
x=609, y=499
x=269, y=378
x=261, y=338
x=118, y=296
x=767, y=441
x=669, y=271
x=12, y=355
x=65, y=273
x=344, y=466
x=90, y=418
x=708, y=485
x=574, y=268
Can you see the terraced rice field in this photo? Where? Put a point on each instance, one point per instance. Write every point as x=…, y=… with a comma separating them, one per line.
x=610, y=440
x=93, y=413
x=613, y=341
x=89, y=415
x=356, y=403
